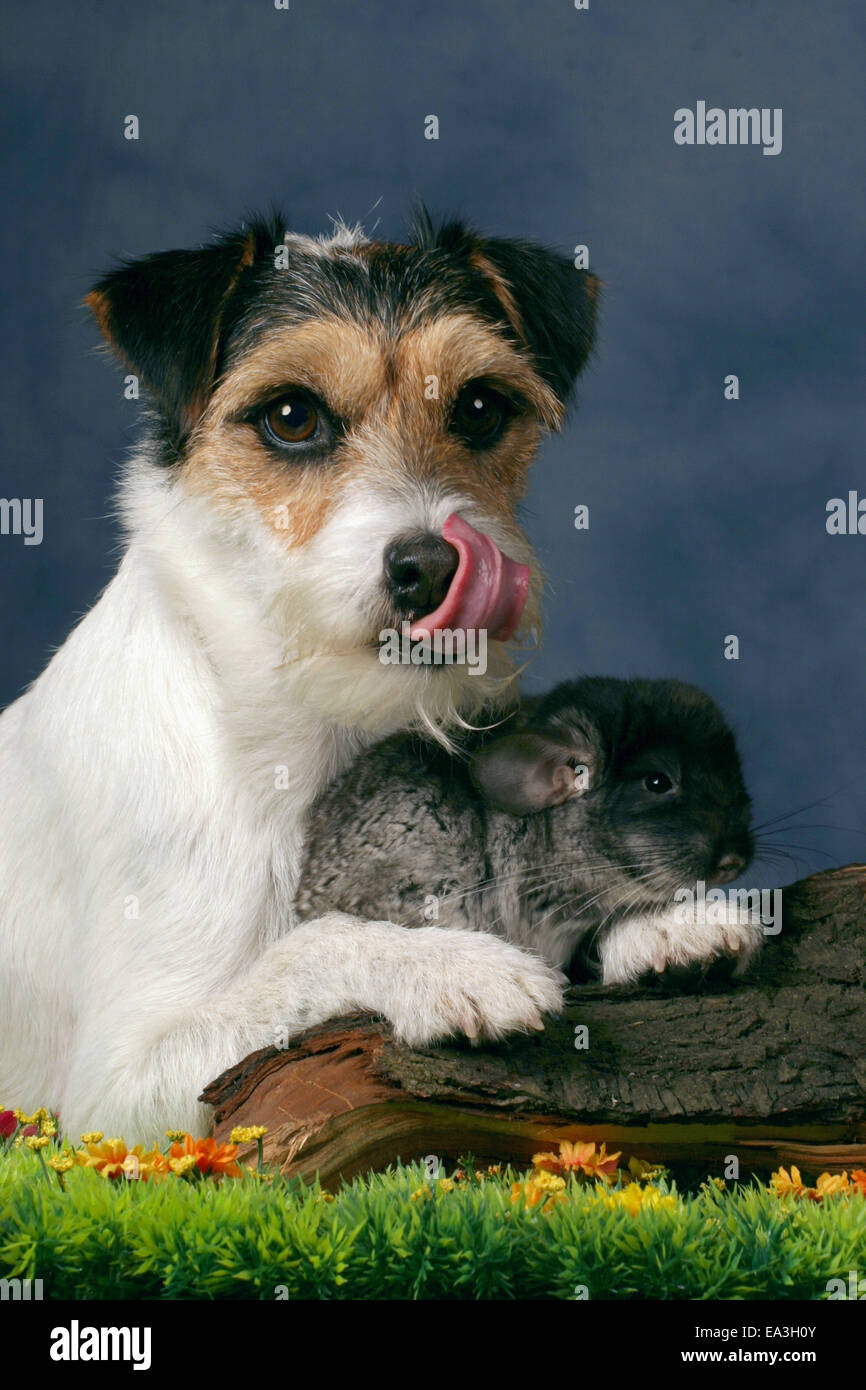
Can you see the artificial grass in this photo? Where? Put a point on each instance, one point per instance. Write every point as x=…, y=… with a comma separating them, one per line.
x=252, y=1239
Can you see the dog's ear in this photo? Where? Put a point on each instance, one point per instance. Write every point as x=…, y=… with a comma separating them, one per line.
x=549, y=303
x=163, y=315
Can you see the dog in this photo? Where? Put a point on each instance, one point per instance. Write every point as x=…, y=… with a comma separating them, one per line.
x=336, y=438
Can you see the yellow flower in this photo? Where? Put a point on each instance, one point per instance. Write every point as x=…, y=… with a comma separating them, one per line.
x=61, y=1163
x=634, y=1198
x=94, y=1136
x=445, y=1185
x=246, y=1134
x=642, y=1171
x=181, y=1166
x=33, y=1141
x=420, y=1194
x=176, y=1136
x=48, y=1127
x=547, y=1182
x=326, y=1196
x=540, y=1187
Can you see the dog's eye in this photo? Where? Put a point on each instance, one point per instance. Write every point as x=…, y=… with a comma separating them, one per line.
x=293, y=419
x=480, y=415
x=658, y=782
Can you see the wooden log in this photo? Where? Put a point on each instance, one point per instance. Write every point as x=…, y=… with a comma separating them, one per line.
x=771, y=1068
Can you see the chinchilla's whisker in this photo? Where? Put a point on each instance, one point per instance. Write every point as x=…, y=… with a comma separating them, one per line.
x=819, y=801
x=530, y=876
x=807, y=849
x=636, y=889
x=814, y=825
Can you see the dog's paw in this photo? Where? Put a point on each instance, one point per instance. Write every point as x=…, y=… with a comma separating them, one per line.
x=471, y=983
x=678, y=949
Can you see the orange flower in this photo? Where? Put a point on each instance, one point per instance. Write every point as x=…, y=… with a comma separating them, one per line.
x=211, y=1157
x=113, y=1160
x=830, y=1185
x=577, y=1157
x=602, y=1164
x=858, y=1181
x=785, y=1184
x=107, y=1158
x=155, y=1165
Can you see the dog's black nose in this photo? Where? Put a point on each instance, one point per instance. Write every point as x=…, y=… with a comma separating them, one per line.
x=418, y=573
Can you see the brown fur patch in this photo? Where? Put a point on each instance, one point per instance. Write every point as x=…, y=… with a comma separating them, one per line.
x=97, y=303
x=501, y=289
x=378, y=384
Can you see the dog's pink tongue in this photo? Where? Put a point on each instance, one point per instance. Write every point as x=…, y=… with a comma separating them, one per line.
x=488, y=590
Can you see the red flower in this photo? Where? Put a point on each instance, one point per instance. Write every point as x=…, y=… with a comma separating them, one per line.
x=8, y=1124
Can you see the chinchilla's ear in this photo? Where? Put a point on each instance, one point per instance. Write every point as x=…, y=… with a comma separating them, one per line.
x=163, y=315
x=524, y=772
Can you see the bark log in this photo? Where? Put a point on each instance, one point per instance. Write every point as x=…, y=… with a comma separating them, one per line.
x=771, y=1068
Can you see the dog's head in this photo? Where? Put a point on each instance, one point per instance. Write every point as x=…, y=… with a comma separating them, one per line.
x=328, y=408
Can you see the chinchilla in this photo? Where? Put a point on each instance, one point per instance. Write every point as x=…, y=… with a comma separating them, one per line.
x=581, y=819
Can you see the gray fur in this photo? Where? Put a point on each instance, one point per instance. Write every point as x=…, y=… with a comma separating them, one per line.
x=410, y=833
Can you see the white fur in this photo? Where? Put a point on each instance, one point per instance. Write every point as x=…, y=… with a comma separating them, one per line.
x=149, y=849
x=639, y=944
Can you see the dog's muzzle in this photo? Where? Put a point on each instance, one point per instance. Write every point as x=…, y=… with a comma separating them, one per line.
x=460, y=581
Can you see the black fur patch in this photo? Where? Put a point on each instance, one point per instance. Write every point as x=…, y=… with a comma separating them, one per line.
x=180, y=319
x=630, y=719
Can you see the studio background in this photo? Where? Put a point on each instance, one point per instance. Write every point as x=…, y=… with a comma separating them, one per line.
x=707, y=517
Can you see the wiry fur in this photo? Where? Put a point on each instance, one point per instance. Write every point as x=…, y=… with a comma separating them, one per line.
x=156, y=776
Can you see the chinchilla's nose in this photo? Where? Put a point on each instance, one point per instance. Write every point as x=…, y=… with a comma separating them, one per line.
x=729, y=867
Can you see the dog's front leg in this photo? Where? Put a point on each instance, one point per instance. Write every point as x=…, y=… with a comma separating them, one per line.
x=674, y=939
x=429, y=983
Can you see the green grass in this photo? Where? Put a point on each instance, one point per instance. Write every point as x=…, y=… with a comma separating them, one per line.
x=244, y=1239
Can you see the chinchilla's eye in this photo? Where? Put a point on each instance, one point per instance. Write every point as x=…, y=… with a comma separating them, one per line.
x=658, y=782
